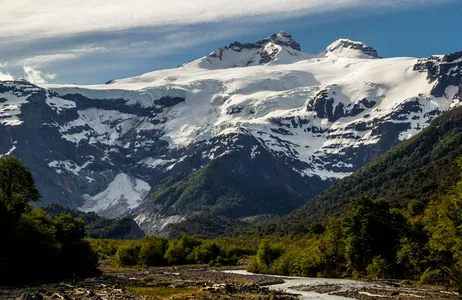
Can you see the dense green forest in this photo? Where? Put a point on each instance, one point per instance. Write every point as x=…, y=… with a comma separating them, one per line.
x=36, y=247
x=373, y=239
x=158, y=251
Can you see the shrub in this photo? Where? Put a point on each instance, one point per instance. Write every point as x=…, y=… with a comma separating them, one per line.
x=378, y=269
x=152, y=251
x=127, y=255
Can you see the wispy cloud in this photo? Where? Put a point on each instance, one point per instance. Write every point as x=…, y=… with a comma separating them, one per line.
x=62, y=55
x=5, y=76
x=27, y=19
x=36, y=76
x=158, y=46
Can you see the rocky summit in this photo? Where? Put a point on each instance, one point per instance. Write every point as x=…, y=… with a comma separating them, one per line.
x=249, y=129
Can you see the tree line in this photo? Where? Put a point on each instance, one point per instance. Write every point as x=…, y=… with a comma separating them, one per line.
x=158, y=251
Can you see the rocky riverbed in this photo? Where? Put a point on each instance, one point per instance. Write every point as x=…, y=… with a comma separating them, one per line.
x=336, y=289
x=185, y=282
x=203, y=282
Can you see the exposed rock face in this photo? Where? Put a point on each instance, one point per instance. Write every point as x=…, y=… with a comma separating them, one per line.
x=250, y=54
x=237, y=142
x=326, y=107
x=444, y=71
x=345, y=47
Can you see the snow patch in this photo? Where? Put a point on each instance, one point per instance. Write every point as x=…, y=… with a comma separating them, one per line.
x=155, y=162
x=122, y=194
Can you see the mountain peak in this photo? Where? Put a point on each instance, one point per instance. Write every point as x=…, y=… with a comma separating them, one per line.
x=283, y=38
x=278, y=46
x=349, y=48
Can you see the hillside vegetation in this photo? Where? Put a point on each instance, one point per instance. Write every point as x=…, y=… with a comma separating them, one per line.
x=35, y=247
x=422, y=241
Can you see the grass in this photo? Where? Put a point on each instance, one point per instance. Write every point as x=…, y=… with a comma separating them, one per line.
x=162, y=292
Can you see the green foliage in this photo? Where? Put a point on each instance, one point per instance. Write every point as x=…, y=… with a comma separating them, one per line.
x=152, y=251
x=157, y=251
x=246, y=190
x=127, y=255
x=99, y=227
x=378, y=268
x=42, y=248
x=443, y=224
x=266, y=255
x=310, y=257
x=421, y=241
x=181, y=251
x=17, y=183
x=206, y=253
x=371, y=230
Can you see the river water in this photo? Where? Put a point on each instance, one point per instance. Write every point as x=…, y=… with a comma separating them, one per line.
x=291, y=283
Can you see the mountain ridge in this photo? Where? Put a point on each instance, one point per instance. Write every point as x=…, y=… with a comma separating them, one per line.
x=109, y=148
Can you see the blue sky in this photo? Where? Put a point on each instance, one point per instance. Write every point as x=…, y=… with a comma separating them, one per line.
x=88, y=41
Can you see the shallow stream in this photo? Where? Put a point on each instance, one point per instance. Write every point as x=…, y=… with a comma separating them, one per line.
x=291, y=285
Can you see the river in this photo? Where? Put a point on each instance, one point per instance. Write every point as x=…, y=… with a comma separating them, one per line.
x=291, y=284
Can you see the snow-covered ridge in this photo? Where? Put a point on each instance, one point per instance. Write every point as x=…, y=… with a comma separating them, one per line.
x=277, y=48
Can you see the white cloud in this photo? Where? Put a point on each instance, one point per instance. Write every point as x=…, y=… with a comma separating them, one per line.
x=166, y=44
x=49, y=18
x=5, y=76
x=41, y=60
x=33, y=75
x=63, y=55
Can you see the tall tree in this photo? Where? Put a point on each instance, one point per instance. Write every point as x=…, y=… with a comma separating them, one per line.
x=17, y=185
x=443, y=223
x=370, y=230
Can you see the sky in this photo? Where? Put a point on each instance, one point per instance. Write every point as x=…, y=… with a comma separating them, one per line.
x=93, y=41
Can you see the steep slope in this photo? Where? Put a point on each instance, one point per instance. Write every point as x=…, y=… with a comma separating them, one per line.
x=231, y=185
x=418, y=169
x=138, y=146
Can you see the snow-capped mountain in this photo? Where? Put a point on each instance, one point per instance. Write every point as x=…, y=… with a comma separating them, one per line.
x=249, y=129
x=279, y=48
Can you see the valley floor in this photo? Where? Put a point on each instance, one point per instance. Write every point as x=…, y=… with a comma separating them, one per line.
x=185, y=282
x=203, y=282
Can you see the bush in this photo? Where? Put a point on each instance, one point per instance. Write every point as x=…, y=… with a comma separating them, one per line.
x=206, y=253
x=378, y=269
x=266, y=255
x=152, y=251
x=127, y=255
